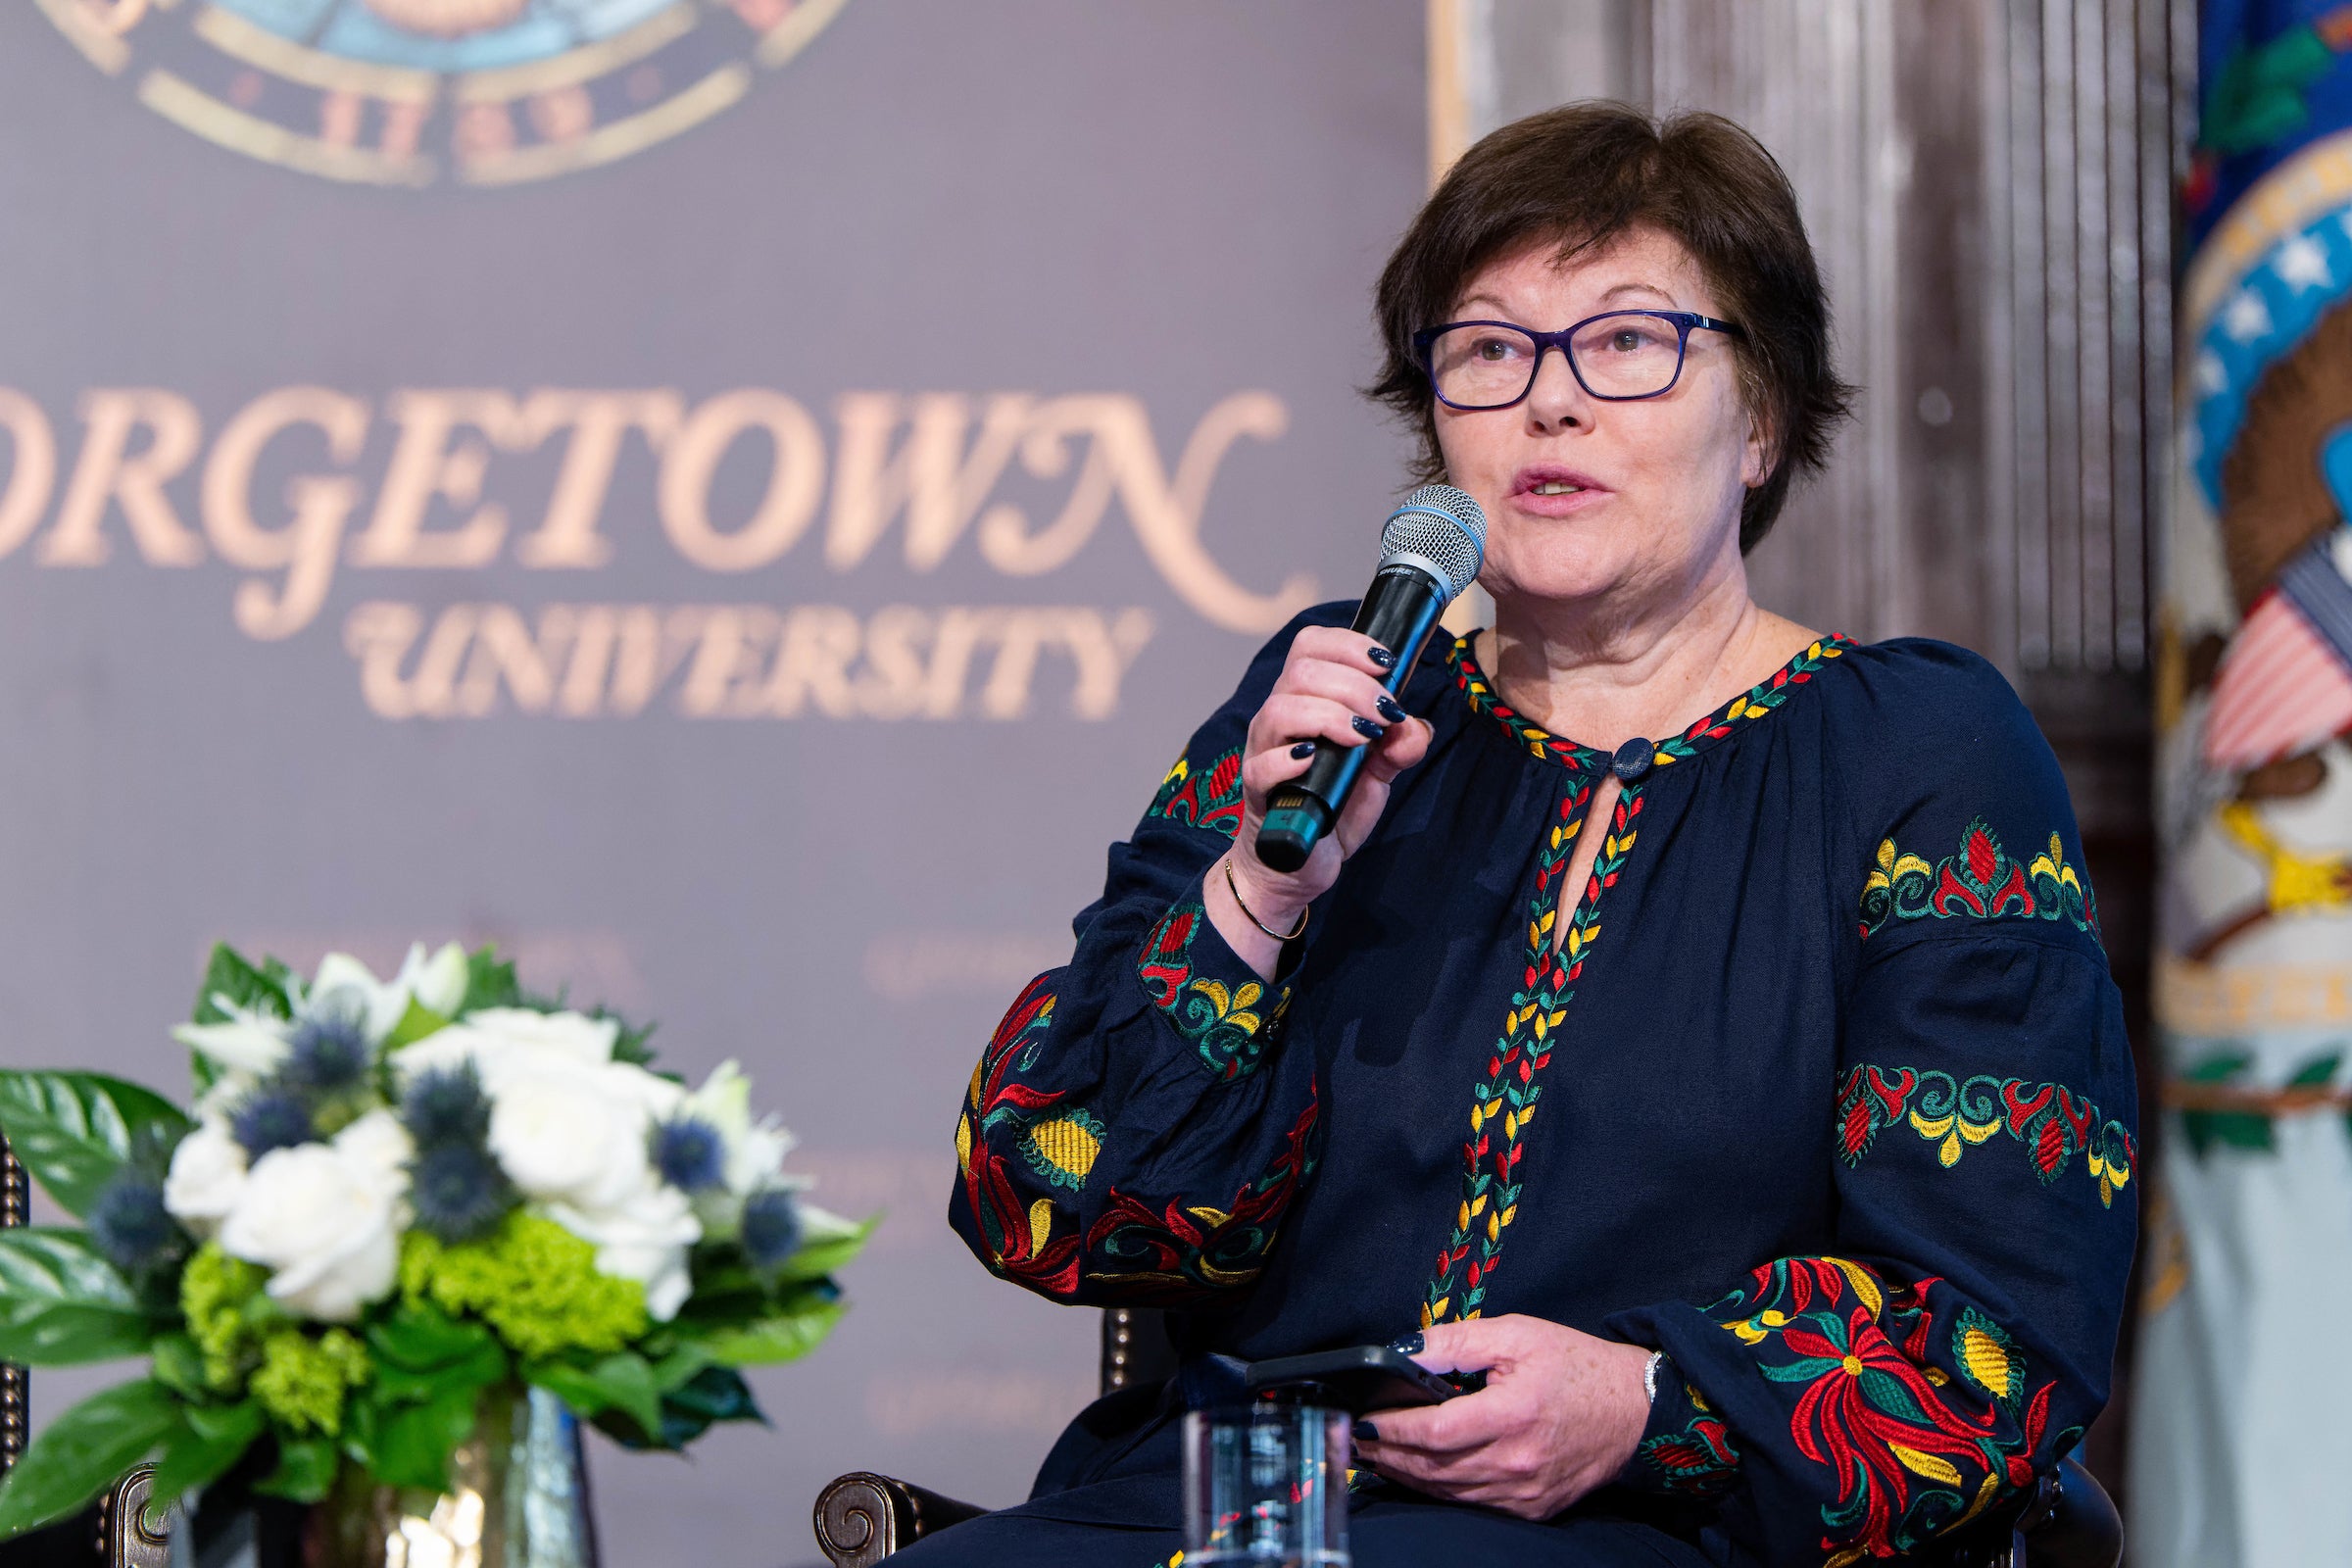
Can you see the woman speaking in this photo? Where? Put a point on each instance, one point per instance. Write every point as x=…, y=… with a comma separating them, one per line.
x=1696, y=1024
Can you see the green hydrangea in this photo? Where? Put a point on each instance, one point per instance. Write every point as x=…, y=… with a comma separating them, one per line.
x=215, y=1295
x=532, y=1281
x=302, y=1381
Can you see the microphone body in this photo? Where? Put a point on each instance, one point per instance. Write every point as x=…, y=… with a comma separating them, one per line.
x=1434, y=544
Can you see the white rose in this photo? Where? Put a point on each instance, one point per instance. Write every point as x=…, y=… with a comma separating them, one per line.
x=570, y=1035
x=379, y=1148
x=325, y=1219
x=504, y=1041
x=207, y=1171
x=571, y=1134
x=642, y=1238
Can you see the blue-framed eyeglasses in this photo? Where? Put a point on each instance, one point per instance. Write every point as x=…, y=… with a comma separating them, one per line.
x=1617, y=355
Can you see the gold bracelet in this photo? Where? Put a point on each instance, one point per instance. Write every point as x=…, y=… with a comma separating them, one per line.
x=1234, y=888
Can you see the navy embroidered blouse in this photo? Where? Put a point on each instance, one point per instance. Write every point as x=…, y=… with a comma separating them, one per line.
x=1824, y=1091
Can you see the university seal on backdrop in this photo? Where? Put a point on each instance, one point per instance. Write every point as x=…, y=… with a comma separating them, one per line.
x=410, y=92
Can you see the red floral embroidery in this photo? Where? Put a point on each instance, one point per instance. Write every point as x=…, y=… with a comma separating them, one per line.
x=1020, y=1244
x=1981, y=881
x=1208, y=797
x=1187, y=1251
x=2051, y=1121
x=1915, y=1448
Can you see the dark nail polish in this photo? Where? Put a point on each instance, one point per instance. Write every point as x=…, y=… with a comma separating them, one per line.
x=1410, y=1345
x=1304, y=750
x=1381, y=655
x=1389, y=711
x=1365, y=1431
x=1366, y=728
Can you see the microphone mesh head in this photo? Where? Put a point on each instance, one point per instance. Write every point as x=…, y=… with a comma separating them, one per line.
x=1442, y=526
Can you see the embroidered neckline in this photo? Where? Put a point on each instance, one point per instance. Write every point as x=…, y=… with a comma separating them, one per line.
x=1763, y=698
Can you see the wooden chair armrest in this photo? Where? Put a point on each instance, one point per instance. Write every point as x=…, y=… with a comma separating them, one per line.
x=862, y=1517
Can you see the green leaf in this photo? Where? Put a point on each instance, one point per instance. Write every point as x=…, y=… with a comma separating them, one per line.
x=261, y=988
x=411, y=1444
x=83, y=1451
x=306, y=1470
x=714, y=1393
x=72, y=1130
x=488, y=982
x=210, y=1440
x=60, y=1304
x=2317, y=1072
x=266, y=989
x=2217, y=1069
x=179, y=1366
x=831, y=1242
x=631, y=1044
x=784, y=1337
x=414, y=1024
x=425, y=1357
x=623, y=1381
x=421, y=1338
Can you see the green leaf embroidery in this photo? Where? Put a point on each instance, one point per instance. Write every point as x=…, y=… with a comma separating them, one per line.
x=72, y=1130
x=60, y=1304
x=83, y=1451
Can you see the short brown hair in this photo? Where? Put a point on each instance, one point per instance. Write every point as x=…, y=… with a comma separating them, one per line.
x=1583, y=175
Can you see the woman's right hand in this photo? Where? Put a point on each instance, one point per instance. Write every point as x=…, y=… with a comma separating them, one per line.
x=1329, y=693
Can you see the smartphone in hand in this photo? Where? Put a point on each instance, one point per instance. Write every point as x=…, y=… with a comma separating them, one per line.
x=1358, y=1379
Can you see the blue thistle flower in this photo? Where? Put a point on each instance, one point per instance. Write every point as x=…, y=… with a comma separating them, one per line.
x=128, y=1223
x=459, y=1192
x=447, y=1106
x=271, y=1118
x=688, y=1154
x=771, y=1227
x=328, y=1052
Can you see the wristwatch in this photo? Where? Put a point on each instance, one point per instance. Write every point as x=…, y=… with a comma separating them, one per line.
x=1649, y=1375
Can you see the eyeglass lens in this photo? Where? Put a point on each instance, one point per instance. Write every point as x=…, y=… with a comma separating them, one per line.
x=1617, y=357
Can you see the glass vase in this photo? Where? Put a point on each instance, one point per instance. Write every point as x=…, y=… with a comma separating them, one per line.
x=517, y=1498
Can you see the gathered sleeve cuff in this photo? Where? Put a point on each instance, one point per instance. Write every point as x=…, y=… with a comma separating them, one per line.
x=1133, y=1132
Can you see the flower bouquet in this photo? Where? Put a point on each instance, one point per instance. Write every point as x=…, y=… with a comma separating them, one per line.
x=401, y=1214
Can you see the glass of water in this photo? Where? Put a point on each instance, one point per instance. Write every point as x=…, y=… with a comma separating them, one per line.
x=1266, y=1484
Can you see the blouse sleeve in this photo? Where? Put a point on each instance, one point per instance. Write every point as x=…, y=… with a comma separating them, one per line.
x=1133, y=1132
x=1960, y=1339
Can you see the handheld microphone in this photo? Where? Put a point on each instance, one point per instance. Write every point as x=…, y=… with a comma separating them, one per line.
x=1429, y=551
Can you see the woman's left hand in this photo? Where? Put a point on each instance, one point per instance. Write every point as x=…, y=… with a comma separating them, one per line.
x=1560, y=1415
